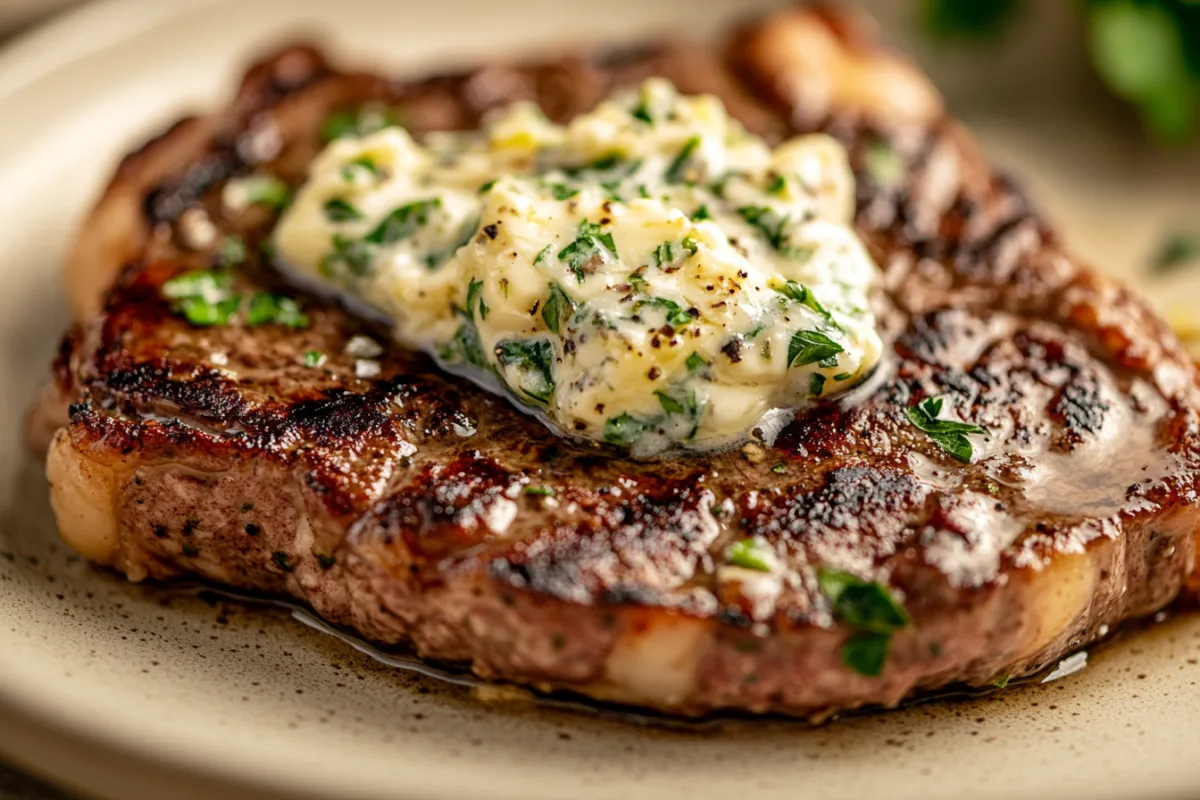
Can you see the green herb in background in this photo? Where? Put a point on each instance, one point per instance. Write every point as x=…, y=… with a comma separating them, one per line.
x=952, y=18
x=1146, y=51
x=1179, y=249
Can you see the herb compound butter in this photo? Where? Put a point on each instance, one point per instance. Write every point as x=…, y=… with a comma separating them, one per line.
x=649, y=275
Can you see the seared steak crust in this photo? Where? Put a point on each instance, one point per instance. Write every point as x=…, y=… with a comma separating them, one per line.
x=397, y=506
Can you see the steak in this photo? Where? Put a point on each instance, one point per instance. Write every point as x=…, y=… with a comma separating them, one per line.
x=418, y=510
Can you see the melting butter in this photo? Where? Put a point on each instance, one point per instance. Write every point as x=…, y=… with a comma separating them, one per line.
x=650, y=275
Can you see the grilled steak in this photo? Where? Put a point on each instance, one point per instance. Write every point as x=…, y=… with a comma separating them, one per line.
x=415, y=508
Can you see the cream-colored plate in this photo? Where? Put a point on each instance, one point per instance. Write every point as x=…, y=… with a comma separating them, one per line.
x=131, y=692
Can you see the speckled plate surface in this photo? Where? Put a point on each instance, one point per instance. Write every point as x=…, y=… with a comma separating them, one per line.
x=120, y=691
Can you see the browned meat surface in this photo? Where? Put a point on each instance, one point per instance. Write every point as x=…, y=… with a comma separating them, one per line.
x=399, y=506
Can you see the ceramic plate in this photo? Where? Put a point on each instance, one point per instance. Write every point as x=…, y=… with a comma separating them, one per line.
x=132, y=692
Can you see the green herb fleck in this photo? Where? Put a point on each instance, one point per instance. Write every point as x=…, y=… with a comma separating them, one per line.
x=624, y=430
x=663, y=254
x=677, y=316
x=541, y=256
x=1002, y=681
x=816, y=384
x=1177, y=250
x=314, y=359
x=267, y=191
x=535, y=360
x=778, y=186
x=557, y=309
x=363, y=163
x=749, y=555
x=358, y=122
x=589, y=243
x=475, y=299
x=562, y=191
x=204, y=297
x=807, y=347
x=327, y=562
x=282, y=560
x=700, y=213
x=676, y=171
x=805, y=296
x=642, y=112
x=695, y=362
x=673, y=404
x=487, y=187
x=950, y=435
x=768, y=222
x=868, y=609
x=866, y=653
x=779, y=469
x=539, y=491
x=266, y=308
x=403, y=222
x=339, y=210
x=353, y=255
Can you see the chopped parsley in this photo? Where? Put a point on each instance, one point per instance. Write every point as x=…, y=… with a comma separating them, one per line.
x=535, y=360
x=677, y=316
x=539, y=491
x=1177, y=250
x=266, y=191
x=624, y=429
x=700, y=213
x=204, y=297
x=642, y=112
x=353, y=255
x=339, y=210
x=870, y=611
x=557, y=308
x=778, y=186
x=265, y=308
x=804, y=296
x=663, y=254
x=748, y=554
x=541, y=256
x=816, y=384
x=403, y=222
x=486, y=187
x=475, y=299
x=768, y=222
x=673, y=404
x=562, y=191
x=695, y=362
x=357, y=122
x=676, y=172
x=950, y=435
x=589, y=243
x=364, y=163
x=467, y=345
x=808, y=347
x=779, y=469
x=314, y=359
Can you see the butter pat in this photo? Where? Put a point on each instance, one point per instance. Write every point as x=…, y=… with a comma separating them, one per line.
x=649, y=275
